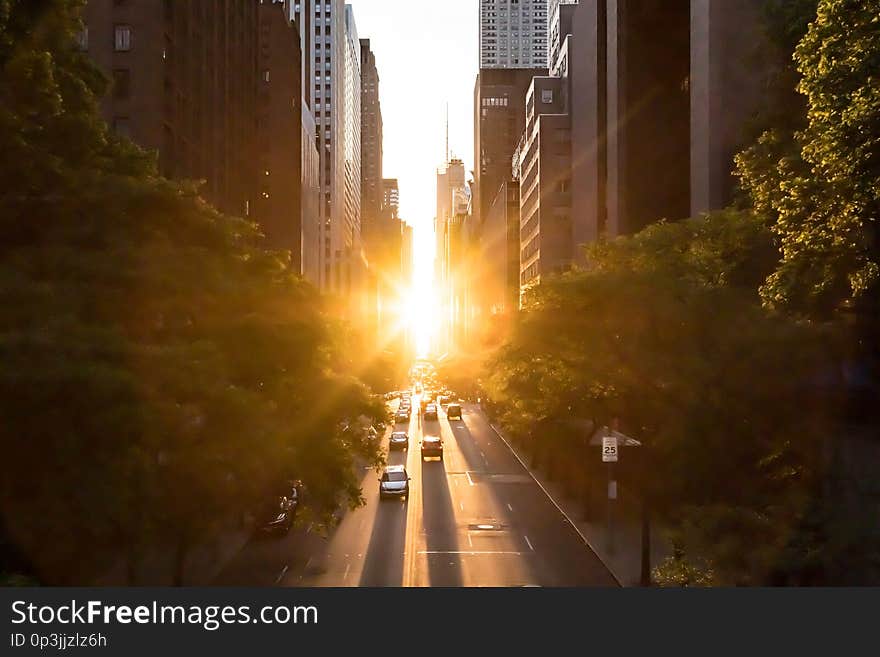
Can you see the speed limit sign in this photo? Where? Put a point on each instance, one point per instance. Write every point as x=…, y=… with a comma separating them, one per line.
x=609, y=449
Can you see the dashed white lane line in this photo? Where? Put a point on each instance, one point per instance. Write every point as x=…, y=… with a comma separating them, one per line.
x=347, y=568
x=461, y=506
x=470, y=542
x=309, y=563
x=509, y=507
x=529, y=543
x=281, y=575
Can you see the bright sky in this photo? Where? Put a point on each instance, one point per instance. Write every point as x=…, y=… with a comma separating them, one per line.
x=427, y=56
x=426, y=53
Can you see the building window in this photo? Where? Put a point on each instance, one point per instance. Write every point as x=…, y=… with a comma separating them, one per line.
x=546, y=95
x=121, y=83
x=122, y=38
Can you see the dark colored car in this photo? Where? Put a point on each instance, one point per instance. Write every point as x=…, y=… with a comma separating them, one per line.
x=431, y=412
x=398, y=440
x=276, y=517
x=453, y=412
x=432, y=446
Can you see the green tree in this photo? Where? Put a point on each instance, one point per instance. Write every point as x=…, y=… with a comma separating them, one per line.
x=822, y=198
x=665, y=331
x=161, y=372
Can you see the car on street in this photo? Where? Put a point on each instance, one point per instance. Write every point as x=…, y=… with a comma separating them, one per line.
x=431, y=412
x=398, y=440
x=276, y=517
x=432, y=446
x=453, y=412
x=401, y=417
x=394, y=482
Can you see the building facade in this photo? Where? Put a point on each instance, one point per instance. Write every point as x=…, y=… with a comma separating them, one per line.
x=499, y=117
x=334, y=85
x=371, y=142
x=185, y=85
x=499, y=241
x=513, y=34
x=544, y=174
x=278, y=207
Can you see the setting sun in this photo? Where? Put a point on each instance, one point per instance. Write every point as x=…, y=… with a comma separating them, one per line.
x=420, y=302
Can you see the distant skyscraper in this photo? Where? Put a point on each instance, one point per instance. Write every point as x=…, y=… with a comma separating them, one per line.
x=390, y=199
x=513, y=33
x=371, y=143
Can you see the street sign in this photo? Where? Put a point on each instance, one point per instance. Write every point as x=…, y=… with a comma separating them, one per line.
x=609, y=449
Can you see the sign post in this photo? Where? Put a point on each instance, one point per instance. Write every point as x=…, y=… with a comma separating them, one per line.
x=610, y=454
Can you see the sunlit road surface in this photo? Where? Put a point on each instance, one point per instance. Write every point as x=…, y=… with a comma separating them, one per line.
x=476, y=518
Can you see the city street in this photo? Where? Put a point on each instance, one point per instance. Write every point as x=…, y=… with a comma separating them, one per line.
x=476, y=518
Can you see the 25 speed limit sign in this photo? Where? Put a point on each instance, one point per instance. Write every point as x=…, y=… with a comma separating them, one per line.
x=609, y=449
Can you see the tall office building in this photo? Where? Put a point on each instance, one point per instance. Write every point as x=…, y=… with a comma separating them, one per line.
x=513, y=33
x=349, y=234
x=185, y=85
x=499, y=117
x=279, y=202
x=335, y=91
x=371, y=144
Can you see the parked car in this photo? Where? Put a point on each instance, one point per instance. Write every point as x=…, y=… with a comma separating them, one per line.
x=453, y=412
x=276, y=517
x=394, y=482
x=432, y=446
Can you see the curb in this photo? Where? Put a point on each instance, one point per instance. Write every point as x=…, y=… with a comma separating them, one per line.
x=557, y=505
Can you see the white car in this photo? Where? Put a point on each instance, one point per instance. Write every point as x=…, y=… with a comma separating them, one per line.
x=394, y=482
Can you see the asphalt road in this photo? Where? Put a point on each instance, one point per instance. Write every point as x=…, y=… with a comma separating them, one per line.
x=476, y=518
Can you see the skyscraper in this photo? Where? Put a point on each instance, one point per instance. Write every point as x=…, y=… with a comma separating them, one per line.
x=335, y=86
x=513, y=33
x=371, y=142
x=347, y=235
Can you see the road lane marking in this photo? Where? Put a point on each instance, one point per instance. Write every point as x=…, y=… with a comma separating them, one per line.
x=470, y=481
x=347, y=568
x=556, y=504
x=529, y=543
x=309, y=563
x=470, y=542
x=281, y=576
x=461, y=506
x=509, y=507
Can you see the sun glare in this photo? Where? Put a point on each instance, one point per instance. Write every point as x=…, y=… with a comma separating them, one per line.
x=421, y=295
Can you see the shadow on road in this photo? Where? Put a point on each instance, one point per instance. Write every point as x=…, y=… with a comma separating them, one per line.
x=383, y=561
x=441, y=530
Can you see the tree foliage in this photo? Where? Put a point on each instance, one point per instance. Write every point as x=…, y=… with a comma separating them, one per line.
x=821, y=196
x=665, y=331
x=161, y=372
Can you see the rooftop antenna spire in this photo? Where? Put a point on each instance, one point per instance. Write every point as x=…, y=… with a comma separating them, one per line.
x=447, y=132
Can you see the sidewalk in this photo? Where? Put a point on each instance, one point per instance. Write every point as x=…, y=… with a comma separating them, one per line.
x=623, y=557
